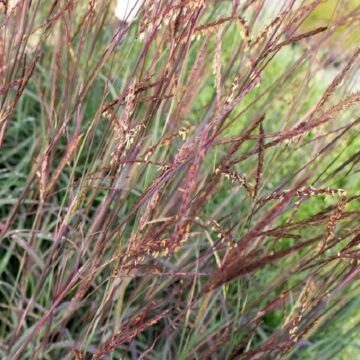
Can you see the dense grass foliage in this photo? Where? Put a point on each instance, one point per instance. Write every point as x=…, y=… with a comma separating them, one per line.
x=182, y=186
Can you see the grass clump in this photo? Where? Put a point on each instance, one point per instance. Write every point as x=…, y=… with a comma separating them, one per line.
x=184, y=185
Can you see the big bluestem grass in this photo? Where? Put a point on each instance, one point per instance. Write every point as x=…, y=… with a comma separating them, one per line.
x=181, y=186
